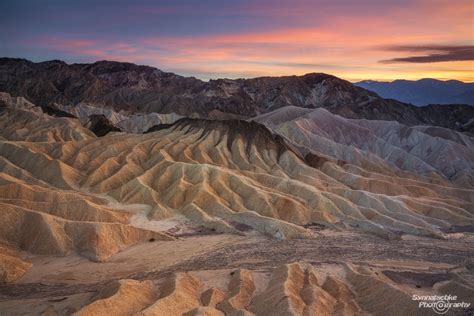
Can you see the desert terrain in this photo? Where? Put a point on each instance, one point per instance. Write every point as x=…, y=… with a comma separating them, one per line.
x=318, y=208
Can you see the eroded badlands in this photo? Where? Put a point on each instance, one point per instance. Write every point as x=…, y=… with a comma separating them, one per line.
x=72, y=201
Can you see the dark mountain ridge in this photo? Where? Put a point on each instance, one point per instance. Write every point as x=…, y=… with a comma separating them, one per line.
x=424, y=91
x=134, y=88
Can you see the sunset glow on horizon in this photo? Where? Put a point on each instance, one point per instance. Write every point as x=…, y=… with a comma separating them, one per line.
x=354, y=40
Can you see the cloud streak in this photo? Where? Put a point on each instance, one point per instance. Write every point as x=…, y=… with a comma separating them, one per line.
x=433, y=54
x=249, y=38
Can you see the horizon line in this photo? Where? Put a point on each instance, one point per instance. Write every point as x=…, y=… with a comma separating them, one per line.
x=207, y=79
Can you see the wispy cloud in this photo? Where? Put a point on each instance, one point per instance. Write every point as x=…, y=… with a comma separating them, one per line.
x=433, y=54
x=250, y=38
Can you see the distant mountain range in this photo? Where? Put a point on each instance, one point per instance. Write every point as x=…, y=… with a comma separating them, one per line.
x=423, y=92
x=133, y=89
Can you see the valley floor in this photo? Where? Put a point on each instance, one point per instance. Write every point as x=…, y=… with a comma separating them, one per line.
x=412, y=264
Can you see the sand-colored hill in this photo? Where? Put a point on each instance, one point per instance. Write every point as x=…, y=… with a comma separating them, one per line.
x=17, y=124
x=65, y=192
x=6, y=100
x=23, y=120
x=376, y=145
x=129, y=123
x=229, y=176
x=123, y=297
x=12, y=266
x=292, y=289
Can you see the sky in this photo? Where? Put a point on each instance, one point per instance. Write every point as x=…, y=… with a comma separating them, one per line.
x=354, y=40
